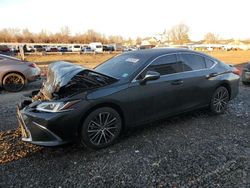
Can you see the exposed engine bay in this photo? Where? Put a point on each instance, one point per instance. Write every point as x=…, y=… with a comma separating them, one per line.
x=65, y=79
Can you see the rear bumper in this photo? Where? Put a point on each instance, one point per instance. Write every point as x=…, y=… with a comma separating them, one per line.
x=34, y=74
x=234, y=86
x=34, y=78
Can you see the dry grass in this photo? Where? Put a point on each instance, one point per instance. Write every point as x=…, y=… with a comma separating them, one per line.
x=232, y=57
x=91, y=60
x=88, y=60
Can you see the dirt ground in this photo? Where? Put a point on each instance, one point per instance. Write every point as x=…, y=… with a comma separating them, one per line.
x=232, y=57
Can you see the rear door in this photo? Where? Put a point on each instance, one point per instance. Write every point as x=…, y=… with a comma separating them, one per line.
x=195, y=81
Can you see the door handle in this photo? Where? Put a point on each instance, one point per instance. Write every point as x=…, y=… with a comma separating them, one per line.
x=177, y=82
x=212, y=75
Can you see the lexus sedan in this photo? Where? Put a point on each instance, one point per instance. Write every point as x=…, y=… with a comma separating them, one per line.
x=14, y=73
x=131, y=89
x=246, y=74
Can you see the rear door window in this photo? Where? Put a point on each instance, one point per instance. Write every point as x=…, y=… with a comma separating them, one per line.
x=192, y=62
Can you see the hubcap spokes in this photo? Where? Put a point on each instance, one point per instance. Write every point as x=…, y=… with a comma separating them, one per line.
x=103, y=128
x=14, y=82
x=220, y=100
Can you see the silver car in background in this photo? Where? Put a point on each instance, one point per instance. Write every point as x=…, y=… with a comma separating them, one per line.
x=15, y=74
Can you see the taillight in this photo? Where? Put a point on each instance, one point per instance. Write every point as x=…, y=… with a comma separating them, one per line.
x=236, y=71
x=33, y=65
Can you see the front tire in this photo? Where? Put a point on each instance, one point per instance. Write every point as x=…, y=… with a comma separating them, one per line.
x=101, y=128
x=219, y=100
x=13, y=82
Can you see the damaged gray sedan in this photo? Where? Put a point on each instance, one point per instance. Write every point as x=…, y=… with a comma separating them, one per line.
x=134, y=88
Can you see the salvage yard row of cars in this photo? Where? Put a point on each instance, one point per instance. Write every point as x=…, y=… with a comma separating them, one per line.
x=131, y=89
x=91, y=47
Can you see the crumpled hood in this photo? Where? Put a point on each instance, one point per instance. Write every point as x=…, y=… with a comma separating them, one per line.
x=59, y=74
x=64, y=78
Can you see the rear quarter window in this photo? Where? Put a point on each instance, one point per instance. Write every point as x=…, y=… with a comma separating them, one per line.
x=209, y=63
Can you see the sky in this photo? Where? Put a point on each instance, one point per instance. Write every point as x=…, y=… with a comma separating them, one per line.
x=129, y=18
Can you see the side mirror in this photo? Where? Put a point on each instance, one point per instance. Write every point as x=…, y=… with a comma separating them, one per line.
x=150, y=75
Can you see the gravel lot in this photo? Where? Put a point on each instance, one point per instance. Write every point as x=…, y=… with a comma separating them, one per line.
x=192, y=150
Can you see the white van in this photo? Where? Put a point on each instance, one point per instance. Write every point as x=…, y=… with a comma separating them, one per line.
x=96, y=47
x=74, y=48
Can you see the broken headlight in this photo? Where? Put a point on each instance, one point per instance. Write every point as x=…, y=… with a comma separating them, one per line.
x=55, y=106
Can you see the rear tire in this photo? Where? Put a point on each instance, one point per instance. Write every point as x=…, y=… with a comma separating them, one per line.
x=101, y=128
x=246, y=83
x=13, y=82
x=219, y=100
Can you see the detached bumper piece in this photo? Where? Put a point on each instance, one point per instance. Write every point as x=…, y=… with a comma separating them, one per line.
x=35, y=133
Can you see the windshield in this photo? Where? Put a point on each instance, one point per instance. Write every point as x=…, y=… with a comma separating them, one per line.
x=121, y=66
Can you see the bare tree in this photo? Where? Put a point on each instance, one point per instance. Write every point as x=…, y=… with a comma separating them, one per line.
x=27, y=36
x=211, y=38
x=65, y=32
x=138, y=40
x=179, y=34
x=115, y=39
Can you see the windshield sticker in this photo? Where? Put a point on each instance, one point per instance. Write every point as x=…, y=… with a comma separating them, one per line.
x=132, y=60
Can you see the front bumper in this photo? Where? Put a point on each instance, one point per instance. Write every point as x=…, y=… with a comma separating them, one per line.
x=50, y=129
x=36, y=133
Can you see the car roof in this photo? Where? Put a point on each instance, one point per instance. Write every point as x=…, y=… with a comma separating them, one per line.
x=9, y=57
x=160, y=51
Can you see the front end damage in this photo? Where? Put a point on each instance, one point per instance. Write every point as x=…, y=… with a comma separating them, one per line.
x=65, y=79
x=51, y=116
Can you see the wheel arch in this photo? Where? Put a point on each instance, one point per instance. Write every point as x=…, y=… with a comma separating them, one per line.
x=225, y=84
x=100, y=105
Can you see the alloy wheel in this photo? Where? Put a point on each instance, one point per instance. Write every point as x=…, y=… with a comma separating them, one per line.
x=13, y=82
x=103, y=128
x=220, y=100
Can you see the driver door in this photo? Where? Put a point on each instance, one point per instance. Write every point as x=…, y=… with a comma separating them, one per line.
x=156, y=98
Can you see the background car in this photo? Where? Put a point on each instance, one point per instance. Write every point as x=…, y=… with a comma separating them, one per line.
x=246, y=74
x=128, y=90
x=53, y=49
x=74, y=48
x=88, y=50
x=108, y=48
x=14, y=73
x=63, y=49
x=39, y=48
x=4, y=48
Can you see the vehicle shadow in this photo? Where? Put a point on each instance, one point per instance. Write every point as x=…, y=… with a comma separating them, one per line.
x=29, y=87
x=125, y=142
